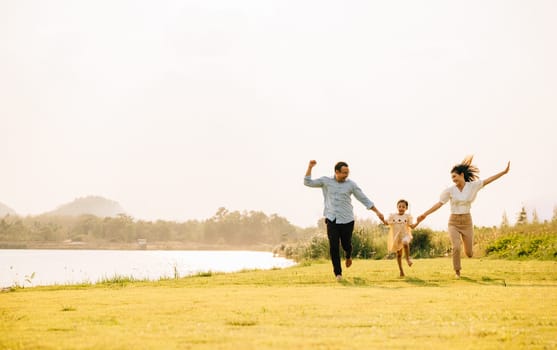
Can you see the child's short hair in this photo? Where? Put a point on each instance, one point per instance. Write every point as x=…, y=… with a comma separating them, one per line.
x=402, y=201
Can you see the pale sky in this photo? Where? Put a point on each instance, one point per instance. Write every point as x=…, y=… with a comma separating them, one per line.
x=176, y=108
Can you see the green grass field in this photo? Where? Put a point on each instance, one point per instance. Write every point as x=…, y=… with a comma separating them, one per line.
x=497, y=304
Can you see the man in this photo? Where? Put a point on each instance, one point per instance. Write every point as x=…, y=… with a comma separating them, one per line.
x=338, y=211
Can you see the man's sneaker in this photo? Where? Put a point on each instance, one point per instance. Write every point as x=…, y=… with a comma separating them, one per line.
x=339, y=278
x=348, y=262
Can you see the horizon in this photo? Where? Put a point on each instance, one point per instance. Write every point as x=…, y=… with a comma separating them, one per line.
x=512, y=218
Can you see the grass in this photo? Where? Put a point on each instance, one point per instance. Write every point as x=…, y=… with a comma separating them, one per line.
x=497, y=304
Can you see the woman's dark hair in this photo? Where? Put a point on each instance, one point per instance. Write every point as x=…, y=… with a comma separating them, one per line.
x=402, y=201
x=339, y=166
x=471, y=172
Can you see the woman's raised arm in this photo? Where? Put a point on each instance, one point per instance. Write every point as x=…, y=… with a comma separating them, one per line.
x=498, y=175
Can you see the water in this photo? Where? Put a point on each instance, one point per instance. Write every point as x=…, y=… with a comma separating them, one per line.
x=34, y=267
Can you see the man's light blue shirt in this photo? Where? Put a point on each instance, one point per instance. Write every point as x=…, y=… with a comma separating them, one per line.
x=337, y=197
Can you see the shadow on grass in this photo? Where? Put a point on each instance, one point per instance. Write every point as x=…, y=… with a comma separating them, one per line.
x=439, y=283
x=386, y=284
x=420, y=282
x=355, y=282
x=485, y=281
x=361, y=282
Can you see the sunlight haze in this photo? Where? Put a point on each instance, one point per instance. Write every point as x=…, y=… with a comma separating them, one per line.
x=174, y=109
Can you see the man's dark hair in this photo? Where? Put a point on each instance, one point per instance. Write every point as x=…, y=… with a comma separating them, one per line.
x=402, y=201
x=339, y=166
x=471, y=172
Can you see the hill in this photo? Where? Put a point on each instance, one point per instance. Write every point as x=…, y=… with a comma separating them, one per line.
x=93, y=205
x=5, y=210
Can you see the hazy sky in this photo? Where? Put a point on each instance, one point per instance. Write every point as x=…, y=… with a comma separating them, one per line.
x=177, y=108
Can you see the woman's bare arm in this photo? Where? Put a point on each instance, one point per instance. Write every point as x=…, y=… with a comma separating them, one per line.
x=429, y=211
x=498, y=175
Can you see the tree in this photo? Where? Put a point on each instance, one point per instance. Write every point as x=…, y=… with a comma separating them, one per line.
x=522, y=218
x=221, y=213
x=535, y=218
x=504, y=220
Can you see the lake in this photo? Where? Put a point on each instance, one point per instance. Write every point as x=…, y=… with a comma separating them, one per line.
x=35, y=267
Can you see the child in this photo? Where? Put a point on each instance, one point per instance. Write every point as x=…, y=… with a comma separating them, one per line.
x=400, y=233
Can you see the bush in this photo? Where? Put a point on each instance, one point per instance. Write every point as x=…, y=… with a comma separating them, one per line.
x=317, y=247
x=524, y=246
x=368, y=242
x=421, y=243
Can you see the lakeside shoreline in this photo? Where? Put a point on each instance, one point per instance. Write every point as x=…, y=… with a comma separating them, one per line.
x=35, y=267
x=164, y=245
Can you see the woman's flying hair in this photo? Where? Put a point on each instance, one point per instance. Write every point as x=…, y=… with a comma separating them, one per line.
x=471, y=172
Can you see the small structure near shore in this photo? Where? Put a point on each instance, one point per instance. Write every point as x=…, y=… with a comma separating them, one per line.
x=142, y=242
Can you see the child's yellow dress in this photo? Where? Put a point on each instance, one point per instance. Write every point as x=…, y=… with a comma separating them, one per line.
x=399, y=231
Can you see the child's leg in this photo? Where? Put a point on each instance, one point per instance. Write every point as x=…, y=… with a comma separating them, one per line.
x=399, y=261
x=407, y=252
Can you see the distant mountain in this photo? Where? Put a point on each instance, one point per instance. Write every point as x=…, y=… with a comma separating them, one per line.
x=92, y=205
x=5, y=210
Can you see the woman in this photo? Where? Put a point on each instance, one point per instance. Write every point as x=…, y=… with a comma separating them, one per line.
x=461, y=196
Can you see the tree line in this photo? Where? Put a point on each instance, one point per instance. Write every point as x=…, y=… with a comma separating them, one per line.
x=224, y=228
x=527, y=238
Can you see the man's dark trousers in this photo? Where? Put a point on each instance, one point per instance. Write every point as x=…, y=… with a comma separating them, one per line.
x=343, y=233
